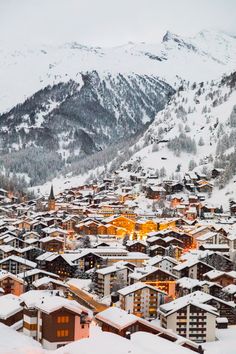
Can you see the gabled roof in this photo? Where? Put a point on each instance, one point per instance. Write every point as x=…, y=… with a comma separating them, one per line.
x=9, y=306
x=19, y=260
x=47, y=280
x=138, y=286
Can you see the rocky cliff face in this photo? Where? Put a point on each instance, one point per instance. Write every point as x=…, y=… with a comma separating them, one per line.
x=73, y=120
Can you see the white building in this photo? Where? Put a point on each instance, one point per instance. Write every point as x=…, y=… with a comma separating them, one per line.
x=141, y=299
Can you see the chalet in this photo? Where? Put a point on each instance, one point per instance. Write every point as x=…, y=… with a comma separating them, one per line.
x=155, y=241
x=190, y=177
x=87, y=260
x=193, y=268
x=11, y=312
x=218, y=261
x=53, y=232
x=53, y=320
x=158, y=277
x=166, y=263
x=156, y=251
x=121, y=222
x=69, y=223
x=136, y=246
x=186, y=286
x=48, y=283
x=155, y=192
x=191, y=213
x=6, y=250
x=143, y=227
x=173, y=187
x=34, y=274
x=52, y=244
x=173, y=242
x=200, y=230
x=209, y=237
x=60, y=264
x=232, y=242
x=221, y=277
x=230, y=292
x=118, y=321
x=11, y=284
x=15, y=264
x=204, y=186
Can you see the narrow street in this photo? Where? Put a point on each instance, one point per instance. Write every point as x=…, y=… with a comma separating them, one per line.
x=86, y=300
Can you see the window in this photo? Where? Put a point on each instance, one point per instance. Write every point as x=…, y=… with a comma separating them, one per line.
x=62, y=333
x=62, y=319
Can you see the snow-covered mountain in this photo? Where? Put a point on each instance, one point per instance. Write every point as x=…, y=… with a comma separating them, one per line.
x=24, y=71
x=196, y=131
x=61, y=104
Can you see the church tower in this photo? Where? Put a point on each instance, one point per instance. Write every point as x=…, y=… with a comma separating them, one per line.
x=51, y=200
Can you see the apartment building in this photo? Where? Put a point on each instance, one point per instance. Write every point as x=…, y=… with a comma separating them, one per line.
x=141, y=299
x=111, y=278
x=190, y=319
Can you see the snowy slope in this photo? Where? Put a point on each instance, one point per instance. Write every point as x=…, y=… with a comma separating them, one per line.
x=200, y=113
x=23, y=71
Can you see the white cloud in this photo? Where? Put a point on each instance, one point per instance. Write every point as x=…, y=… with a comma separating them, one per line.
x=110, y=22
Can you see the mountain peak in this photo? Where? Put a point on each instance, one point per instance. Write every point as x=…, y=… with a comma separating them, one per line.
x=169, y=36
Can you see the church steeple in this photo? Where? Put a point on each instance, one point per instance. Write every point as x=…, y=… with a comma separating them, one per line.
x=51, y=196
x=51, y=200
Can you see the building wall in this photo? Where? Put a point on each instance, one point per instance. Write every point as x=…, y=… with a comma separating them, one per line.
x=81, y=329
x=192, y=323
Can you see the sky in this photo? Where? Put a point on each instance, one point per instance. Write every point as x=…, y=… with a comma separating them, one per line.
x=110, y=22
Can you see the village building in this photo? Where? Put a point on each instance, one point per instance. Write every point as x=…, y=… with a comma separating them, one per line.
x=54, y=321
x=190, y=319
x=141, y=299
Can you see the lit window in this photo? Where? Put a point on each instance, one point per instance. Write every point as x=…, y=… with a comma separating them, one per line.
x=62, y=333
x=62, y=319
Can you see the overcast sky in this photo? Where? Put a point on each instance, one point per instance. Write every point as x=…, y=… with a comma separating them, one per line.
x=110, y=22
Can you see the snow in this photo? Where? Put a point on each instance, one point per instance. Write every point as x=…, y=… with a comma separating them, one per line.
x=203, y=120
x=13, y=342
x=156, y=345
x=116, y=317
x=46, y=281
x=20, y=260
x=225, y=344
x=101, y=343
x=213, y=53
x=137, y=286
x=83, y=284
x=9, y=306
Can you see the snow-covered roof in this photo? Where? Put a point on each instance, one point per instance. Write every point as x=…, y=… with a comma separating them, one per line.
x=111, y=269
x=36, y=271
x=19, y=260
x=47, y=280
x=207, y=236
x=158, y=259
x=138, y=286
x=53, y=303
x=142, y=272
x=195, y=299
x=230, y=289
x=213, y=274
x=9, y=306
x=48, y=302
